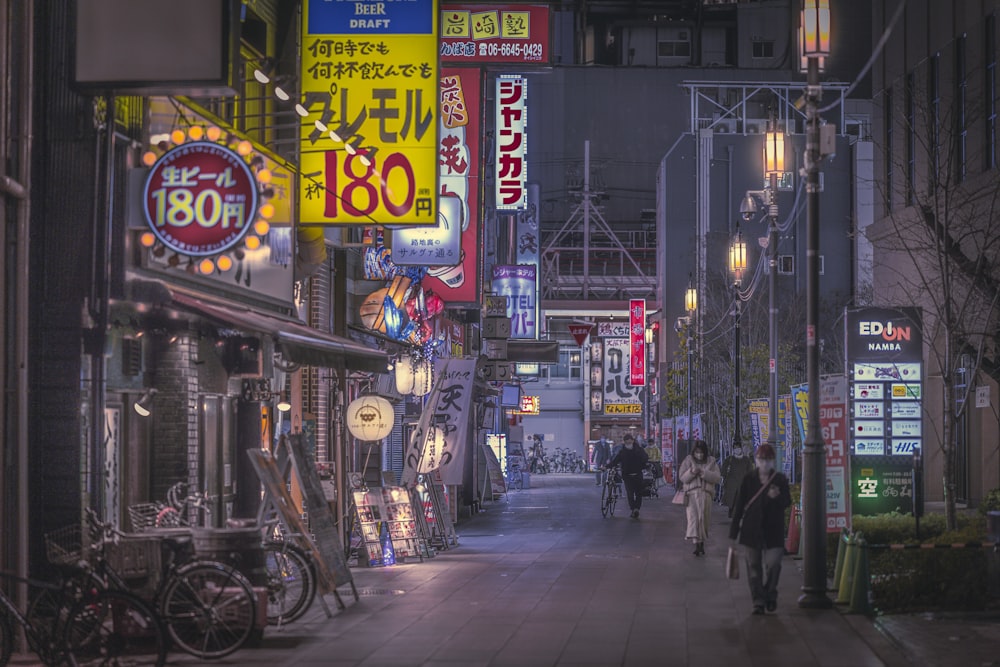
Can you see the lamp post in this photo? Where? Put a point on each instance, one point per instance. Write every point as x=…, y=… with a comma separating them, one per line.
x=737, y=265
x=691, y=306
x=774, y=164
x=814, y=40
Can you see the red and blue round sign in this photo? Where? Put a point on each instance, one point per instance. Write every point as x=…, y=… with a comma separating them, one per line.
x=200, y=198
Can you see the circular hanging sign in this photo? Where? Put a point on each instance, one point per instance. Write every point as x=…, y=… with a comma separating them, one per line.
x=370, y=418
x=200, y=198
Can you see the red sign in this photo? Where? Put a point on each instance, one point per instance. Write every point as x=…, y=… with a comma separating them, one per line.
x=637, y=342
x=458, y=160
x=511, y=143
x=580, y=332
x=494, y=34
x=200, y=199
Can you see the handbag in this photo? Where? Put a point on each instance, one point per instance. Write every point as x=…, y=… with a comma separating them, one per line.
x=680, y=498
x=732, y=564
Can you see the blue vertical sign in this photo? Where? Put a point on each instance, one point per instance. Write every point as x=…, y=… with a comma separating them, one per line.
x=518, y=284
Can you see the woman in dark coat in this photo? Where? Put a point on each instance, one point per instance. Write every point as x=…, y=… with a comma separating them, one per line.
x=759, y=525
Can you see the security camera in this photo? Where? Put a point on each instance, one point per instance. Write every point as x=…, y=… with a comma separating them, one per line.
x=748, y=207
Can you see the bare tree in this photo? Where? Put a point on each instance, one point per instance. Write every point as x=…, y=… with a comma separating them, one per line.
x=937, y=245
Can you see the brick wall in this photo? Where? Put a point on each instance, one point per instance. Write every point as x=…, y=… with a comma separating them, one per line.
x=174, y=438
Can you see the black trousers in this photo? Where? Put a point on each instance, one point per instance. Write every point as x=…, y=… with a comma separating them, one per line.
x=633, y=490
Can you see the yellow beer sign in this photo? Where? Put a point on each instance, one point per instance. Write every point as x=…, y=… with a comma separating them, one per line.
x=369, y=113
x=623, y=409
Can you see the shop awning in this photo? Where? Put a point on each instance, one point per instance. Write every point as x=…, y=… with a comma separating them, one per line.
x=296, y=341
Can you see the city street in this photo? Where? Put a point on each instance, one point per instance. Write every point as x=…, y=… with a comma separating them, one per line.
x=543, y=579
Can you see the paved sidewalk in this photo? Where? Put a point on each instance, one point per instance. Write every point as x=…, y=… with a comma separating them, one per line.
x=541, y=580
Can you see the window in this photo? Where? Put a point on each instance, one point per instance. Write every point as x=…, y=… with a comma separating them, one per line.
x=786, y=265
x=961, y=129
x=989, y=92
x=570, y=364
x=911, y=137
x=888, y=157
x=763, y=48
x=674, y=48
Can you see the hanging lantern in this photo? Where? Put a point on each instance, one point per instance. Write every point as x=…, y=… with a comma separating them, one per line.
x=404, y=374
x=370, y=418
x=423, y=376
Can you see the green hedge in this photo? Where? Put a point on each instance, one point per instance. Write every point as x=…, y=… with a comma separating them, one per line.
x=909, y=580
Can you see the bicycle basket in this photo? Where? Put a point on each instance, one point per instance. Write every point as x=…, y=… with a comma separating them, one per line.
x=142, y=516
x=64, y=546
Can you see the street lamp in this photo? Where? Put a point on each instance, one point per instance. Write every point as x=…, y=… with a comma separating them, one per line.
x=691, y=306
x=774, y=164
x=814, y=39
x=737, y=265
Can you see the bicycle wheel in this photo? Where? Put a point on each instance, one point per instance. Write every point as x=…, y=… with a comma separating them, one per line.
x=209, y=609
x=605, y=498
x=517, y=480
x=291, y=582
x=115, y=628
x=613, y=499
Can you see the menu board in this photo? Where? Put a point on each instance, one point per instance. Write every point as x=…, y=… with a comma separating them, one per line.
x=368, y=504
x=388, y=525
x=402, y=523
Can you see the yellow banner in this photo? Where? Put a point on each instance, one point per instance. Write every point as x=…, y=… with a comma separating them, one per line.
x=623, y=409
x=369, y=139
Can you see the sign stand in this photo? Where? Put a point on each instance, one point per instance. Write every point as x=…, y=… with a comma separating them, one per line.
x=493, y=483
x=333, y=572
x=442, y=529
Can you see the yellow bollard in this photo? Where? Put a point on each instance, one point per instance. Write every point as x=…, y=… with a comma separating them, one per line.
x=838, y=567
x=847, y=574
x=861, y=590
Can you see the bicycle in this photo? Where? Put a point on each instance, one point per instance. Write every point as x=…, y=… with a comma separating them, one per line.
x=209, y=608
x=175, y=512
x=611, y=491
x=515, y=480
x=69, y=623
x=291, y=578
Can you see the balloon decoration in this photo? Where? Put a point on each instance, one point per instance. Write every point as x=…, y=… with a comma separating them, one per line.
x=381, y=309
x=370, y=418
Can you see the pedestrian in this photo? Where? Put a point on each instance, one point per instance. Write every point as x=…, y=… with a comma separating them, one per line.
x=759, y=526
x=699, y=474
x=633, y=461
x=734, y=468
x=599, y=457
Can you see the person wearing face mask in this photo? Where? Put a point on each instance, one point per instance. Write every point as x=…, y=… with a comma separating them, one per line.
x=759, y=526
x=699, y=473
x=633, y=461
x=734, y=467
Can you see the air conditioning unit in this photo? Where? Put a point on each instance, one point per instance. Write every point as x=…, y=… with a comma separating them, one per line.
x=725, y=126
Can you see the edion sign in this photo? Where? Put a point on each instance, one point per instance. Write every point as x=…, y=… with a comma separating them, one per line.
x=200, y=199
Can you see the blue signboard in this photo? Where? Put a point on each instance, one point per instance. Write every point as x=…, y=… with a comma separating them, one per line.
x=368, y=17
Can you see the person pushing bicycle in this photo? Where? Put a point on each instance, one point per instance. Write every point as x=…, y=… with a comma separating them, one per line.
x=633, y=460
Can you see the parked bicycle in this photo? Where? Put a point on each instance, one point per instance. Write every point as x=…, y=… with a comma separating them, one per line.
x=208, y=607
x=611, y=491
x=180, y=509
x=70, y=622
x=515, y=480
x=292, y=578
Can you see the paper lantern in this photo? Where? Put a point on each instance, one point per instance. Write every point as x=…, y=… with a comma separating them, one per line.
x=423, y=376
x=404, y=374
x=370, y=418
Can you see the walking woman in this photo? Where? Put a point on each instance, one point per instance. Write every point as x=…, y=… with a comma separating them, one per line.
x=699, y=474
x=759, y=525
